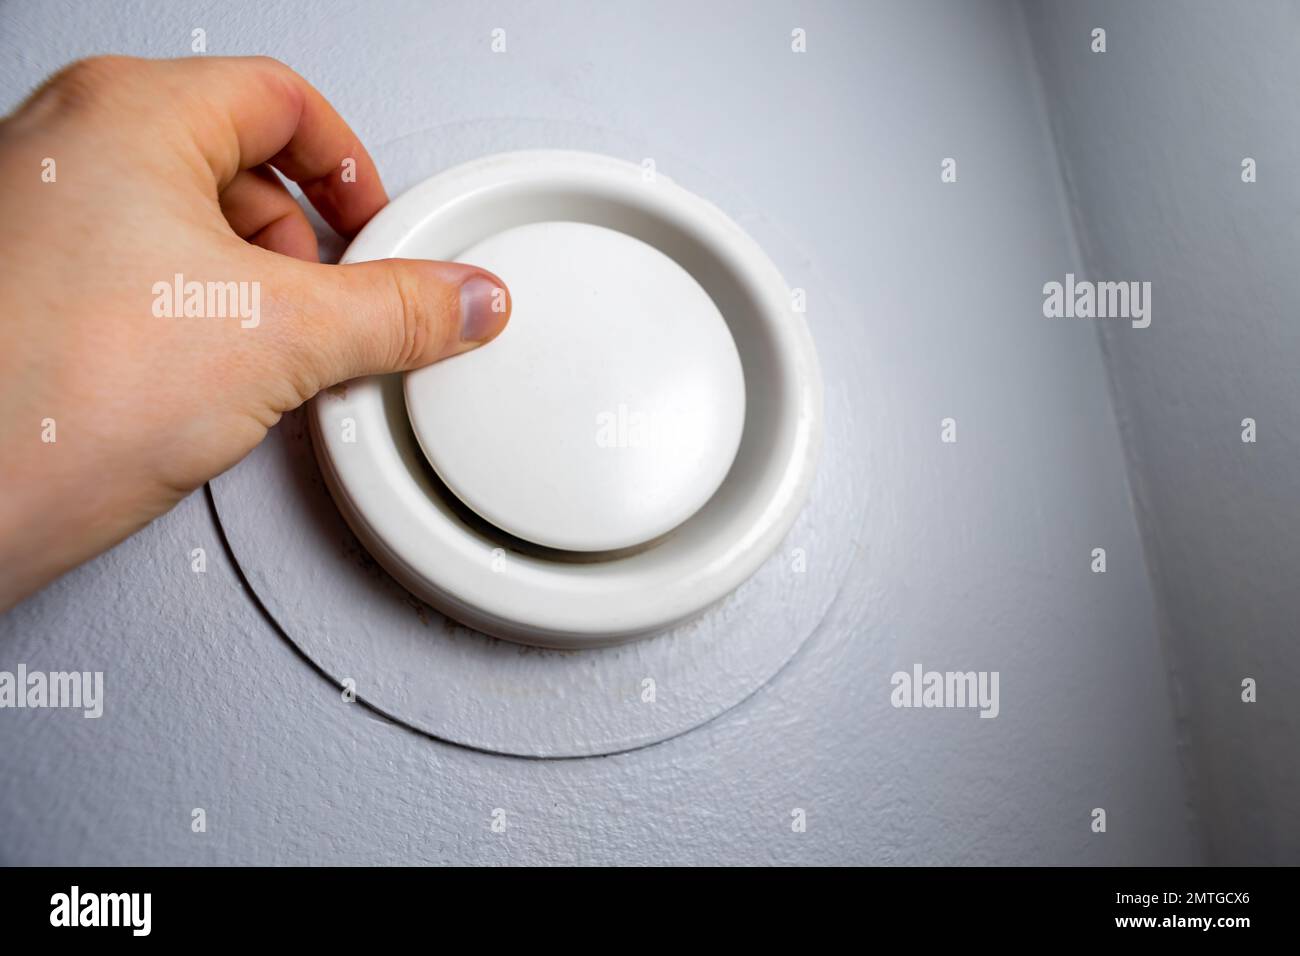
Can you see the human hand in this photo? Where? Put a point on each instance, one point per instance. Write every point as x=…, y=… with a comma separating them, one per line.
x=116, y=177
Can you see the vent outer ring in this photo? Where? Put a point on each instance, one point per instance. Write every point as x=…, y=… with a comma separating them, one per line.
x=478, y=578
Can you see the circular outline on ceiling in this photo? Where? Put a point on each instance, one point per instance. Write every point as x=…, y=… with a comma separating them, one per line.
x=351, y=620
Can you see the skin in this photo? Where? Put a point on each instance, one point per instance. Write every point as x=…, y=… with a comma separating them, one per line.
x=165, y=167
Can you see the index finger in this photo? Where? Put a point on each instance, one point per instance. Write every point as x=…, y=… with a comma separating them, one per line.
x=261, y=111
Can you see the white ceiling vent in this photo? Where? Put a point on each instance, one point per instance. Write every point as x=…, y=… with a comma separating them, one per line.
x=634, y=445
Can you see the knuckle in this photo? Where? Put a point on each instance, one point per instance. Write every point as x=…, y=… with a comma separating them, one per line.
x=270, y=62
x=275, y=74
x=412, y=322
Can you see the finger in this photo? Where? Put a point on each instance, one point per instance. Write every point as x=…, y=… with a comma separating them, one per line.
x=260, y=111
x=261, y=210
x=386, y=316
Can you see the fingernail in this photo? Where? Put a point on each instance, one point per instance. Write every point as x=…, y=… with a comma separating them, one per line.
x=484, y=308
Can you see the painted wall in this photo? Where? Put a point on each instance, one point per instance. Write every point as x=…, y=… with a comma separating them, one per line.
x=974, y=555
x=1152, y=136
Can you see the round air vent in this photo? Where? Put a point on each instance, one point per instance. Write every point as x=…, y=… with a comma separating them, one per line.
x=633, y=446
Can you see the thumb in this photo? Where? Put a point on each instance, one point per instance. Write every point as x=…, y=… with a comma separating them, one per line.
x=391, y=315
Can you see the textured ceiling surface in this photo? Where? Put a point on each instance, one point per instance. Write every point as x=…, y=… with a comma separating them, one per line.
x=974, y=555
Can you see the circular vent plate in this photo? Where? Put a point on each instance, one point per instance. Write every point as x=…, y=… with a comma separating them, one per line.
x=608, y=411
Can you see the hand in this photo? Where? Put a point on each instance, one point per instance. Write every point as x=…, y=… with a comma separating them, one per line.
x=120, y=175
